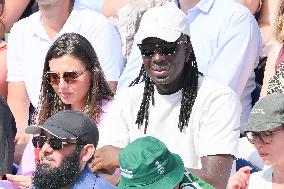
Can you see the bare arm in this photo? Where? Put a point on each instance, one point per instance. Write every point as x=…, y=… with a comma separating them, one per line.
x=110, y=7
x=265, y=21
x=215, y=170
x=19, y=103
x=13, y=10
x=270, y=68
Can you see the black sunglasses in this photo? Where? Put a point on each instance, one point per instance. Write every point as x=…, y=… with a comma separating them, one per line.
x=69, y=77
x=167, y=48
x=54, y=142
x=263, y=136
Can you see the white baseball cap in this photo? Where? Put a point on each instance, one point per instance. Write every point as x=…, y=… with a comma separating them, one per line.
x=166, y=22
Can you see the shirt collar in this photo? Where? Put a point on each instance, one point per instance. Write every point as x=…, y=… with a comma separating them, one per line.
x=205, y=5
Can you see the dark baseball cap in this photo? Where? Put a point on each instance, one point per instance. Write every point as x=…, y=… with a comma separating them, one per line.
x=69, y=124
x=267, y=113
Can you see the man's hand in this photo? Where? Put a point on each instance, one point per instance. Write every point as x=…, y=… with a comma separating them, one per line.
x=240, y=180
x=20, y=180
x=21, y=141
x=106, y=157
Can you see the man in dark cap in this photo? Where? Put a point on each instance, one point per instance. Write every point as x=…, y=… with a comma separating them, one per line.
x=67, y=142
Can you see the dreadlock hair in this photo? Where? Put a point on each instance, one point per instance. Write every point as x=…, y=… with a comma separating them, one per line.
x=77, y=46
x=189, y=92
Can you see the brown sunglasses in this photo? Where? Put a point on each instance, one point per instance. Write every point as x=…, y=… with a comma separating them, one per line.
x=69, y=77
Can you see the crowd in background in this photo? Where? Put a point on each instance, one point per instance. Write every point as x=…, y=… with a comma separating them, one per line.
x=181, y=93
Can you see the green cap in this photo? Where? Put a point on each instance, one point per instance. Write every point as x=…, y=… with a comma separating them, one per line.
x=267, y=113
x=147, y=163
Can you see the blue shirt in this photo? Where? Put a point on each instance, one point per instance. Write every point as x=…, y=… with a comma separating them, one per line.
x=91, y=4
x=88, y=180
x=227, y=43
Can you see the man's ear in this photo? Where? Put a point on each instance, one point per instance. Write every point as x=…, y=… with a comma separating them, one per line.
x=187, y=50
x=87, y=152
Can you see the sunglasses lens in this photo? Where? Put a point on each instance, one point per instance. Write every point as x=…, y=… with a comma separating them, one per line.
x=70, y=77
x=38, y=141
x=147, y=49
x=54, y=78
x=55, y=143
x=168, y=48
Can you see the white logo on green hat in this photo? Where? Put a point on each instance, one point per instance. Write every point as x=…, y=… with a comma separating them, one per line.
x=257, y=111
x=126, y=173
x=160, y=168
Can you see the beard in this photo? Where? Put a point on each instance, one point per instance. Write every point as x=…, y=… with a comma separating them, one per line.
x=55, y=178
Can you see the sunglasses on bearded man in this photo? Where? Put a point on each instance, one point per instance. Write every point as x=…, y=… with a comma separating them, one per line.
x=165, y=48
x=54, y=142
x=69, y=77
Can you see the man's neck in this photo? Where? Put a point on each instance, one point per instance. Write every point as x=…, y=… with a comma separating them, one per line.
x=54, y=17
x=185, y=5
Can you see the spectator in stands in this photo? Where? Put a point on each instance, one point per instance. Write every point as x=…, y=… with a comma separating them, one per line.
x=27, y=49
x=147, y=163
x=72, y=79
x=67, y=142
x=276, y=54
x=265, y=129
x=233, y=33
x=175, y=104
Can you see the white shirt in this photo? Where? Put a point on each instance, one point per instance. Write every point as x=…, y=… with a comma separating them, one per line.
x=213, y=126
x=261, y=179
x=29, y=43
x=227, y=43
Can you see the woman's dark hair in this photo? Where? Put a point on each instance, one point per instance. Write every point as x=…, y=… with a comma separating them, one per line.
x=77, y=46
x=189, y=92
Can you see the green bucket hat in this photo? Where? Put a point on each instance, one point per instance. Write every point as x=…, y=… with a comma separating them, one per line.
x=267, y=113
x=147, y=163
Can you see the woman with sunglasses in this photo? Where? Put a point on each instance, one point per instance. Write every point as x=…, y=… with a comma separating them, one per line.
x=72, y=79
x=265, y=129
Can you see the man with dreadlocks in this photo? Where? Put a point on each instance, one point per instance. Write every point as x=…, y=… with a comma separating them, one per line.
x=195, y=116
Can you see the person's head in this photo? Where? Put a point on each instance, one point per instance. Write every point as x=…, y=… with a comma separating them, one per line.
x=72, y=78
x=67, y=142
x=169, y=62
x=265, y=128
x=147, y=163
x=279, y=22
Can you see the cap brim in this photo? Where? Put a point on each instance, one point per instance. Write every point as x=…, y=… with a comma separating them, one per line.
x=169, y=181
x=55, y=131
x=165, y=34
x=256, y=126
